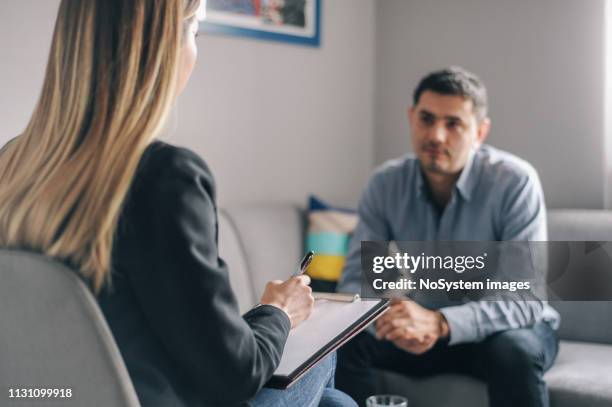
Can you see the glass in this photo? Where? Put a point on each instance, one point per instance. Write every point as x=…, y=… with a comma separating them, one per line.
x=386, y=400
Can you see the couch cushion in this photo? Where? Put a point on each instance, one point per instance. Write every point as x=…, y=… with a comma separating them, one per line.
x=582, y=320
x=585, y=320
x=272, y=240
x=581, y=376
x=579, y=224
x=231, y=250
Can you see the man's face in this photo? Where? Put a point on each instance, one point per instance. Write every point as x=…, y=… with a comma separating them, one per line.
x=444, y=129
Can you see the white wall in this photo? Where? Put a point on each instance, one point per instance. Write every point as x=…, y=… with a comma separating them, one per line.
x=278, y=121
x=542, y=62
x=26, y=27
x=274, y=121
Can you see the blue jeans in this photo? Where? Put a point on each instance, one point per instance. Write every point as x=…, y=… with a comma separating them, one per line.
x=512, y=364
x=315, y=388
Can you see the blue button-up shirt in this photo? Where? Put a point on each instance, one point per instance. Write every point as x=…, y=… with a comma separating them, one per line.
x=497, y=197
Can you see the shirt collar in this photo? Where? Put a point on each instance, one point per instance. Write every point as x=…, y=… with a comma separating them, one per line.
x=465, y=183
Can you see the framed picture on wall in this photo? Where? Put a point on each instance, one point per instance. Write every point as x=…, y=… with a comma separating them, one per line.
x=295, y=21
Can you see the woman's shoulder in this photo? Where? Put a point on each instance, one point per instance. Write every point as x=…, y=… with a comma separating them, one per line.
x=164, y=158
x=168, y=169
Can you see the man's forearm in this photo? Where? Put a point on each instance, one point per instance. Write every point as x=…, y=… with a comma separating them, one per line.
x=474, y=321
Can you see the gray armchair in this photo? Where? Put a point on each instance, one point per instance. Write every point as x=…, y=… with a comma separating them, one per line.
x=53, y=336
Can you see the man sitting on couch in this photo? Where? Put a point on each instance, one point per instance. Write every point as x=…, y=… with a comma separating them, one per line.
x=453, y=188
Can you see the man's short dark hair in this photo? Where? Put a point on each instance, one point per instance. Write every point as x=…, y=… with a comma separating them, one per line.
x=455, y=81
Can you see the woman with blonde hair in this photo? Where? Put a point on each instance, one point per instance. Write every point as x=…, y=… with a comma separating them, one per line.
x=88, y=184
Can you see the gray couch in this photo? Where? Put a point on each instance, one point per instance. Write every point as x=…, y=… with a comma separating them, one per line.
x=264, y=242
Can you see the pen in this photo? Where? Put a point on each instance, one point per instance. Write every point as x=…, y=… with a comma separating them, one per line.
x=301, y=268
x=304, y=264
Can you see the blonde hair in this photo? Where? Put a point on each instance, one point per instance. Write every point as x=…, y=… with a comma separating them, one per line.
x=109, y=85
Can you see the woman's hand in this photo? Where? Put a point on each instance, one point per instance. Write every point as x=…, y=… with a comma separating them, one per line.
x=293, y=296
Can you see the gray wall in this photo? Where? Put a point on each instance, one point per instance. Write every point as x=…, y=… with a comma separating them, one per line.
x=274, y=121
x=542, y=62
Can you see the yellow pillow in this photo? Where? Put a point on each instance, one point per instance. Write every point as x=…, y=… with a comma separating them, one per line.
x=328, y=235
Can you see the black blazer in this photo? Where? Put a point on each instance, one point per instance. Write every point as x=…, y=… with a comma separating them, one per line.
x=170, y=305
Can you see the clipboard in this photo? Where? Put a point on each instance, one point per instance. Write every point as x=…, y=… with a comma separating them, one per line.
x=331, y=324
